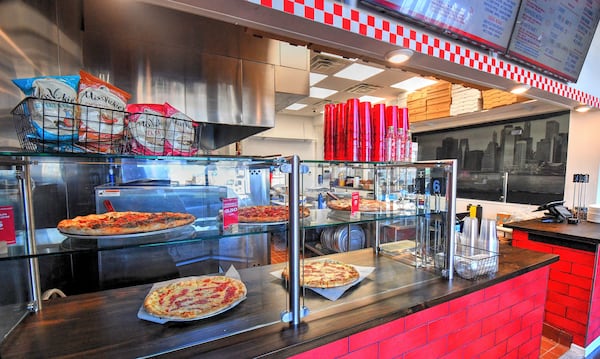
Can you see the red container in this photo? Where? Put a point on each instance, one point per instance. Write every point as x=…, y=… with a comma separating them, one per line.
x=352, y=129
x=365, y=130
x=392, y=114
x=340, y=132
x=378, y=133
x=328, y=132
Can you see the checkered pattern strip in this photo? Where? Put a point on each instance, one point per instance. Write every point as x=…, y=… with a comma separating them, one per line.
x=350, y=19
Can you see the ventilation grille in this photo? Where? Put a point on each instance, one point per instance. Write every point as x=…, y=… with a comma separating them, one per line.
x=362, y=88
x=326, y=65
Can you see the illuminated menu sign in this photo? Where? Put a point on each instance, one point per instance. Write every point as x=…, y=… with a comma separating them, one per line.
x=555, y=35
x=485, y=22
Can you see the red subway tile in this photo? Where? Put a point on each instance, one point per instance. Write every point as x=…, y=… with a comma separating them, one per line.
x=457, y=339
x=427, y=315
x=513, y=354
x=434, y=349
x=571, y=279
x=578, y=316
x=448, y=324
x=583, y=270
x=372, y=335
x=479, y=345
x=331, y=350
x=495, y=352
x=466, y=301
x=580, y=293
x=484, y=309
x=372, y=351
x=414, y=338
x=498, y=289
x=520, y=235
x=534, y=316
x=518, y=339
x=496, y=320
x=531, y=348
x=506, y=331
x=561, y=266
x=520, y=309
x=558, y=286
x=563, y=323
x=574, y=255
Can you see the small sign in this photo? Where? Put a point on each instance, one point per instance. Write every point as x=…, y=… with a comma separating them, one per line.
x=230, y=212
x=7, y=225
x=355, y=203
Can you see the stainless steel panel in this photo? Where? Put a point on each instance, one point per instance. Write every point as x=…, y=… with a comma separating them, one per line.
x=258, y=94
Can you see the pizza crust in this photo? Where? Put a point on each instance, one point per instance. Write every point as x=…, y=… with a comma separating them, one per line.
x=267, y=213
x=195, y=298
x=325, y=273
x=364, y=205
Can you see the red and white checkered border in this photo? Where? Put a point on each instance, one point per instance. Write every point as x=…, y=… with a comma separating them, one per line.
x=350, y=19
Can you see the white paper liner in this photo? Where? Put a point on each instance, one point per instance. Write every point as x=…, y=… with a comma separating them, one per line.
x=143, y=314
x=336, y=292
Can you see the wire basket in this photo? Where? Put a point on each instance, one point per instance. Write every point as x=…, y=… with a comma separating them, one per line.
x=44, y=125
x=474, y=263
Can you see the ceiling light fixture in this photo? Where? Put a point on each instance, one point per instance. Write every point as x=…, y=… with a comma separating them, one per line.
x=413, y=84
x=582, y=108
x=315, y=78
x=398, y=56
x=318, y=92
x=296, y=107
x=520, y=89
x=358, y=72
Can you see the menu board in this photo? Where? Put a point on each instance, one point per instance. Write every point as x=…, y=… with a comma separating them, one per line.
x=555, y=35
x=485, y=22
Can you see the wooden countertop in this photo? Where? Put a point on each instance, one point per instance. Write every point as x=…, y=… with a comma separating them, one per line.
x=583, y=235
x=104, y=324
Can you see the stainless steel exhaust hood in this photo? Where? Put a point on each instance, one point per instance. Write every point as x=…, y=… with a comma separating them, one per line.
x=215, y=72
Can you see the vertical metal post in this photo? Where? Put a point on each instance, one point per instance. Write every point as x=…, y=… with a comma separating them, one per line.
x=34, y=272
x=294, y=241
x=450, y=221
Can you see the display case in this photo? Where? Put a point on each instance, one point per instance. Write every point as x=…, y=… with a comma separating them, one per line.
x=413, y=230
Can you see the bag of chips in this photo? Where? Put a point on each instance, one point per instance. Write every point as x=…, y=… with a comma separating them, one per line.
x=180, y=133
x=102, y=113
x=52, y=109
x=146, y=129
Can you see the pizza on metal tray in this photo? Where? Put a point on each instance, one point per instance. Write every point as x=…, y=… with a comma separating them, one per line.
x=128, y=222
x=325, y=273
x=267, y=213
x=195, y=298
x=364, y=205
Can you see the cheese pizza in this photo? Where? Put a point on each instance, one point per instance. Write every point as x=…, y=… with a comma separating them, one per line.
x=325, y=273
x=264, y=214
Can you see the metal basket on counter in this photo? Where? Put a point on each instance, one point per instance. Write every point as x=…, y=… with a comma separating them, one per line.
x=473, y=263
x=44, y=125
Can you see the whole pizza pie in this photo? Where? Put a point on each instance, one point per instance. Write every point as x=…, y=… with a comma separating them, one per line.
x=364, y=205
x=325, y=273
x=117, y=223
x=263, y=214
x=195, y=298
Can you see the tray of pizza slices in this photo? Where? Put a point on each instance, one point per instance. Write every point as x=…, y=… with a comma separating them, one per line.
x=328, y=277
x=127, y=225
x=370, y=206
x=267, y=214
x=193, y=298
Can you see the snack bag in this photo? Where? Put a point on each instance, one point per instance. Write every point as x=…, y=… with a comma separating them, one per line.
x=146, y=128
x=179, y=133
x=52, y=111
x=103, y=114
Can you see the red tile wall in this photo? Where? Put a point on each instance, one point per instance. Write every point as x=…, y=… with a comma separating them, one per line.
x=502, y=321
x=572, y=305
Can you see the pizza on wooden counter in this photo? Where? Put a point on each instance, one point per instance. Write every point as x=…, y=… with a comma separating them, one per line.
x=195, y=297
x=325, y=273
x=267, y=213
x=119, y=223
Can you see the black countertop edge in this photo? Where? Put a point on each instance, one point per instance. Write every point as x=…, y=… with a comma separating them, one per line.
x=282, y=340
x=583, y=236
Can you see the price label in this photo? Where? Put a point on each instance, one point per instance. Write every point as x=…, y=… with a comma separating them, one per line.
x=230, y=212
x=355, y=203
x=7, y=225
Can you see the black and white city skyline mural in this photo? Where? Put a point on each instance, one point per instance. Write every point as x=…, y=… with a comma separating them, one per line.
x=530, y=153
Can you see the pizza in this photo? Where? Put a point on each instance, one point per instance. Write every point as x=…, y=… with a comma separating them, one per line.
x=364, y=205
x=118, y=223
x=195, y=298
x=258, y=214
x=325, y=273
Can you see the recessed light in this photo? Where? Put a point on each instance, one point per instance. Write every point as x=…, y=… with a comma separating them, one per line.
x=318, y=92
x=398, y=56
x=358, y=72
x=314, y=78
x=520, y=89
x=371, y=99
x=414, y=83
x=296, y=106
x=582, y=108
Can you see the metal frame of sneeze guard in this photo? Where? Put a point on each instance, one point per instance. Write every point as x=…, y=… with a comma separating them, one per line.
x=296, y=312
